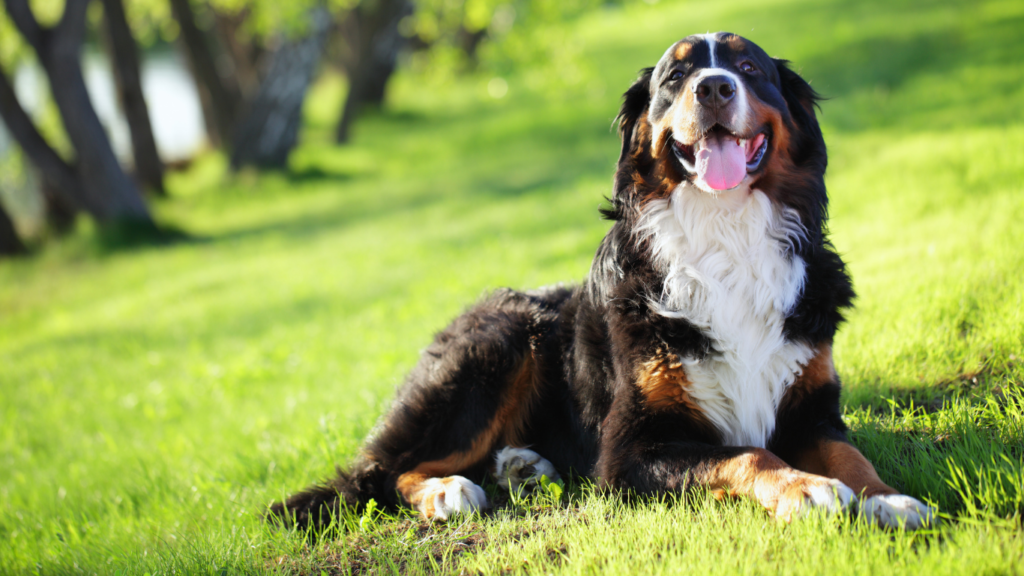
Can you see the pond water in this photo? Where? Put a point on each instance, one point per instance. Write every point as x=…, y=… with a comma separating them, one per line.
x=167, y=84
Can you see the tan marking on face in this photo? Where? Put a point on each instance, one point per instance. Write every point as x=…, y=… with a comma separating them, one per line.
x=842, y=461
x=505, y=428
x=780, y=173
x=683, y=50
x=680, y=120
x=736, y=43
x=763, y=476
x=642, y=135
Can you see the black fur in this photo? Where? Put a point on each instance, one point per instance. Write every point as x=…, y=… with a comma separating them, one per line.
x=588, y=416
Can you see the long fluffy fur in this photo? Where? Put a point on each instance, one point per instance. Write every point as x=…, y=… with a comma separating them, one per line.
x=697, y=351
x=734, y=275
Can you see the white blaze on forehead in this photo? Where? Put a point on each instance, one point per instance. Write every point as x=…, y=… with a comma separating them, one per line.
x=710, y=39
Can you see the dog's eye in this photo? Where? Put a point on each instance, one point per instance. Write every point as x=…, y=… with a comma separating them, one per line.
x=675, y=75
x=747, y=67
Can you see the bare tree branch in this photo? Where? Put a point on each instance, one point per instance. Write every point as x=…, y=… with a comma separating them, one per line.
x=71, y=27
x=224, y=95
x=127, y=73
x=58, y=173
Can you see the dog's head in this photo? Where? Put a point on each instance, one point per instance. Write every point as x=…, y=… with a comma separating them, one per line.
x=719, y=113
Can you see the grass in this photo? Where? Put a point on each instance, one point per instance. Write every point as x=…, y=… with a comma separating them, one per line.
x=154, y=400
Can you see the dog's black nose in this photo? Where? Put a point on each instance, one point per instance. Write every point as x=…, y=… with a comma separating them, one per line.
x=715, y=91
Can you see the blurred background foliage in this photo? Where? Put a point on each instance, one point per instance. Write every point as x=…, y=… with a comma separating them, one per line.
x=250, y=64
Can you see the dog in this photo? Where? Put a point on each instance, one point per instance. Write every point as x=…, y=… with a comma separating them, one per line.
x=697, y=352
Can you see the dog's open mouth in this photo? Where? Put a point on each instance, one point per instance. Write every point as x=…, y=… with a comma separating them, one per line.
x=721, y=158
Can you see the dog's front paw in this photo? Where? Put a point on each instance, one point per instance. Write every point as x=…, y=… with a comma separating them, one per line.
x=515, y=467
x=896, y=510
x=809, y=492
x=443, y=498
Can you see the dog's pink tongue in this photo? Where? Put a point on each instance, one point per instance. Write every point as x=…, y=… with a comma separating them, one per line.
x=721, y=162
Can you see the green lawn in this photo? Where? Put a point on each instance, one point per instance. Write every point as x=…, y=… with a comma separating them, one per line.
x=154, y=400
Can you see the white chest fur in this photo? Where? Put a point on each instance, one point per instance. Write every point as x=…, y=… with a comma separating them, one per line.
x=730, y=271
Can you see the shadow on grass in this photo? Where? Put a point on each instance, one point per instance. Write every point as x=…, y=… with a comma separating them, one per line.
x=971, y=387
x=127, y=235
x=883, y=64
x=316, y=174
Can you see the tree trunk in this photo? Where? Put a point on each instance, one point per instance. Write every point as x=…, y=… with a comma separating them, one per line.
x=60, y=178
x=10, y=244
x=246, y=56
x=124, y=52
x=221, y=97
x=269, y=130
x=60, y=217
x=376, y=53
x=107, y=193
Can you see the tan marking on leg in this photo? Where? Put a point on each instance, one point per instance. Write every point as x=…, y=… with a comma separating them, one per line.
x=515, y=410
x=411, y=486
x=506, y=427
x=454, y=495
x=845, y=463
x=819, y=371
x=763, y=476
x=831, y=458
x=663, y=382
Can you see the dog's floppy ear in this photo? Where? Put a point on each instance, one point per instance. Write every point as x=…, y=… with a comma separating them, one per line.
x=807, y=147
x=801, y=99
x=799, y=87
x=634, y=103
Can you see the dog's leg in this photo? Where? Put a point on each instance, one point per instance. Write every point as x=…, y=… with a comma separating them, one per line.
x=878, y=501
x=786, y=492
x=730, y=471
x=470, y=394
x=515, y=467
x=635, y=454
x=818, y=445
x=441, y=498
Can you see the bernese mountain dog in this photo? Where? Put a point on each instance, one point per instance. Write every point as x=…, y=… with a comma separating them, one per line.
x=697, y=352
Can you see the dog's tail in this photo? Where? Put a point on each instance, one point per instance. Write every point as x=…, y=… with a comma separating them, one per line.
x=316, y=506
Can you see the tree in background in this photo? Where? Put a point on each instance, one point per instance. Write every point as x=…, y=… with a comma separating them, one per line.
x=128, y=77
x=255, y=111
x=221, y=95
x=453, y=37
x=61, y=189
x=10, y=244
x=269, y=129
x=102, y=187
x=371, y=33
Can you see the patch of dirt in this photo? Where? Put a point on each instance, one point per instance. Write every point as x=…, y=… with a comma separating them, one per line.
x=412, y=543
x=390, y=547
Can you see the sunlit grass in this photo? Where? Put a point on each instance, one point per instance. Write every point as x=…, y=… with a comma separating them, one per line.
x=153, y=400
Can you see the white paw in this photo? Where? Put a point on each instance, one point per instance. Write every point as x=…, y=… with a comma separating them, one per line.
x=515, y=467
x=895, y=510
x=833, y=496
x=451, y=496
